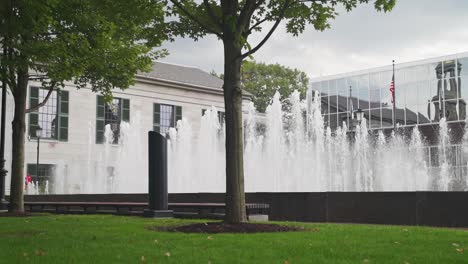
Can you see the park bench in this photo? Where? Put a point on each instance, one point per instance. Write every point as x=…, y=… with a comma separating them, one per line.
x=86, y=207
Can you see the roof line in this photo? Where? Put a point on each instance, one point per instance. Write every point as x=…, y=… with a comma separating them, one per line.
x=177, y=82
x=389, y=67
x=176, y=64
x=182, y=85
x=217, y=89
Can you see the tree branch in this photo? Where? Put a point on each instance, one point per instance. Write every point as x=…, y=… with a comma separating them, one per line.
x=34, y=108
x=211, y=13
x=257, y=24
x=181, y=7
x=246, y=13
x=273, y=28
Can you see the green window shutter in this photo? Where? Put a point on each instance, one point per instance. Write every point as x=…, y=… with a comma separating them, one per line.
x=156, y=117
x=178, y=114
x=101, y=104
x=34, y=96
x=33, y=116
x=100, y=119
x=126, y=110
x=62, y=126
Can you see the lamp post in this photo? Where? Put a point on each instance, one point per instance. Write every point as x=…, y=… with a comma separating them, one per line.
x=3, y=171
x=359, y=115
x=38, y=135
x=356, y=119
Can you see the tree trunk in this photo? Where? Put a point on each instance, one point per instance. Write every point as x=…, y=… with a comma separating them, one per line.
x=235, y=196
x=19, y=130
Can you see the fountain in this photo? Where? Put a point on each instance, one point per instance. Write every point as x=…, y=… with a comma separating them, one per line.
x=286, y=150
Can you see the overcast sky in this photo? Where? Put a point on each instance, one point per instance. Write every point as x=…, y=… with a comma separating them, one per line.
x=363, y=38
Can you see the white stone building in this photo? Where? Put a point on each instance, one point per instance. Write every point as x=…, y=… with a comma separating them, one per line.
x=75, y=145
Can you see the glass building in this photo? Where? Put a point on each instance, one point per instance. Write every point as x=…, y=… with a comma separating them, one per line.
x=425, y=92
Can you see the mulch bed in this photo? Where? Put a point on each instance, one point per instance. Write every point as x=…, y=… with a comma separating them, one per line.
x=220, y=227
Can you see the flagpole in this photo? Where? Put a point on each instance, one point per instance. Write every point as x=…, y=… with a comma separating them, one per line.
x=394, y=98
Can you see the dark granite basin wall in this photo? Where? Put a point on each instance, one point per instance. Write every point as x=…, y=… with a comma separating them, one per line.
x=448, y=209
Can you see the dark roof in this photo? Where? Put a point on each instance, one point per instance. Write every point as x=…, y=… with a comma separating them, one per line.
x=386, y=113
x=183, y=74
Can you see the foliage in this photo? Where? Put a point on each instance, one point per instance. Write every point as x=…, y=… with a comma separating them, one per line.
x=117, y=239
x=215, y=74
x=98, y=43
x=263, y=80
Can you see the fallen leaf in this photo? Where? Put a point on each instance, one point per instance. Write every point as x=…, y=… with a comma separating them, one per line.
x=396, y=242
x=455, y=245
x=286, y=262
x=167, y=254
x=156, y=241
x=209, y=238
x=143, y=259
x=461, y=250
x=39, y=252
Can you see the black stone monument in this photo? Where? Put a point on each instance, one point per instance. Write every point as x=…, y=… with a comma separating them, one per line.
x=157, y=176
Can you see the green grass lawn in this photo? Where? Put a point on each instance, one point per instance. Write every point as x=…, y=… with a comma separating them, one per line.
x=117, y=239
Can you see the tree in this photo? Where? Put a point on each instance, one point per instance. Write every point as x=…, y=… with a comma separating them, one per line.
x=233, y=22
x=97, y=44
x=263, y=80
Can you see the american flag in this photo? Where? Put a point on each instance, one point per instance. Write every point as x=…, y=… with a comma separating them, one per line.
x=392, y=88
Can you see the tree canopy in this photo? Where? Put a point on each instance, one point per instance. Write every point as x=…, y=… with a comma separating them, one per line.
x=264, y=80
x=97, y=44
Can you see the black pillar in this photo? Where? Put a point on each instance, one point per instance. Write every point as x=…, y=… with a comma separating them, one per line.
x=3, y=171
x=157, y=176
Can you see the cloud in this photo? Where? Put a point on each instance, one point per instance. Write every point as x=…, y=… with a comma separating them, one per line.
x=363, y=38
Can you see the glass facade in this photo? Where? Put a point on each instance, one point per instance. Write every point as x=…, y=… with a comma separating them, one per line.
x=424, y=93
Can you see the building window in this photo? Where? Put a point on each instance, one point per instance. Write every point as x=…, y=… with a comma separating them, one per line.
x=165, y=117
x=41, y=177
x=221, y=116
x=111, y=113
x=52, y=117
